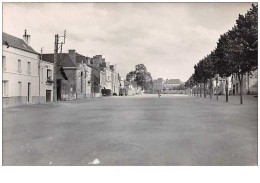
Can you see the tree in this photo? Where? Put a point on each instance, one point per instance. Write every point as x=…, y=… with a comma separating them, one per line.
x=130, y=76
x=198, y=74
x=247, y=36
x=141, y=76
x=206, y=71
x=222, y=62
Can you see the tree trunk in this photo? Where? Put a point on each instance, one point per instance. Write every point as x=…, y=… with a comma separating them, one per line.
x=226, y=87
x=217, y=88
x=240, y=78
x=248, y=92
x=204, y=90
x=210, y=86
x=200, y=89
x=197, y=91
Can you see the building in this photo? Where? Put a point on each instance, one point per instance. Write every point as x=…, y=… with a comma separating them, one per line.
x=67, y=76
x=20, y=71
x=132, y=88
x=171, y=85
x=46, y=81
x=250, y=84
x=115, y=80
x=89, y=74
x=105, y=76
x=98, y=75
x=221, y=89
x=158, y=85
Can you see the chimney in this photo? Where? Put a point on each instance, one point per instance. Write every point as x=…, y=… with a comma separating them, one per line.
x=72, y=55
x=108, y=64
x=26, y=38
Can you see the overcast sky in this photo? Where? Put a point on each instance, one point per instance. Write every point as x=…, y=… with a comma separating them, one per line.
x=169, y=38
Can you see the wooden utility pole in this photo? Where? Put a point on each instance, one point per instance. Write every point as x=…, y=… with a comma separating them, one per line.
x=55, y=63
x=39, y=73
x=56, y=46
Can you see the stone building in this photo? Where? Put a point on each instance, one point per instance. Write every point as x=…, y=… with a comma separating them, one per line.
x=66, y=76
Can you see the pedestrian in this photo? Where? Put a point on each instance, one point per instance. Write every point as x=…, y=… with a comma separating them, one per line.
x=159, y=94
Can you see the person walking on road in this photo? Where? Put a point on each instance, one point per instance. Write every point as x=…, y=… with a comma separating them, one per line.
x=159, y=94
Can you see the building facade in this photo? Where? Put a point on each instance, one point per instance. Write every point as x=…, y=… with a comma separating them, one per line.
x=20, y=71
x=46, y=81
x=250, y=84
x=172, y=86
x=158, y=85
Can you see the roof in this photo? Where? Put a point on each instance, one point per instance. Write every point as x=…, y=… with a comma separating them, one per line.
x=173, y=81
x=80, y=58
x=65, y=59
x=158, y=80
x=18, y=43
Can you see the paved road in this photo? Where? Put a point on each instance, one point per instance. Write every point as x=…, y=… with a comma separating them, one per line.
x=140, y=130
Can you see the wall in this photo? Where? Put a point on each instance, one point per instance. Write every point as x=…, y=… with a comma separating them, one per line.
x=88, y=81
x=157, y=85
x=43, y=79
x=12, y=75
x=68, y=91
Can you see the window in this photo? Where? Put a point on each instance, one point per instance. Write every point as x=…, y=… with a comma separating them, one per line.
x=4, y=63
x=19, y=66
x=5, y=88
x=49, y=74
x=19, y=88
x=29, y=68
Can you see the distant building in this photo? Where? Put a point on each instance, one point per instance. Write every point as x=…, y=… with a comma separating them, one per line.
x=115, y=79
x=20, y=71
x=158, y=85
x=171, y=84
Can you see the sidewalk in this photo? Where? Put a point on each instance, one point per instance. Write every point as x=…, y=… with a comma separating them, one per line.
x=232, y=99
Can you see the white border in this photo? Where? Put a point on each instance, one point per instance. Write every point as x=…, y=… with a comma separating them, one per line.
x=127, y=174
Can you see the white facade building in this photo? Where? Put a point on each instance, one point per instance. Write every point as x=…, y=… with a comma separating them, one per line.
x=46, y=81
x=24, y=80
x=20, y=72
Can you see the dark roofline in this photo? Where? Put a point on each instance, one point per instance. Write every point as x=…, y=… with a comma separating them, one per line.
x=6, y=43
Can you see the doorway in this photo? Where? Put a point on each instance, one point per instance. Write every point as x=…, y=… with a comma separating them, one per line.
x=48, y=95
x=58, y=89
x=29, y=93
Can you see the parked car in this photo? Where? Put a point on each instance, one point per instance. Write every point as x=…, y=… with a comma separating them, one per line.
x=106, y=92
x=122, y=92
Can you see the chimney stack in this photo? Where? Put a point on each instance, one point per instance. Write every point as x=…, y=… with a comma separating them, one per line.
x=72, y=55
x=26, y=38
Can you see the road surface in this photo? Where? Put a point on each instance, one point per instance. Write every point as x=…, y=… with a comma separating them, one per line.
x=133, y=130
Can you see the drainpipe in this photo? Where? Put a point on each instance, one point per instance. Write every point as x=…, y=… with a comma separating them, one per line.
x=39, y=72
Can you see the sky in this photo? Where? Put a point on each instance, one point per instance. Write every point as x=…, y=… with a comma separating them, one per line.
x=168, y=38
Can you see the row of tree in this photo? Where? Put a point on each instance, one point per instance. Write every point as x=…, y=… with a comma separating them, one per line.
x=235, y=54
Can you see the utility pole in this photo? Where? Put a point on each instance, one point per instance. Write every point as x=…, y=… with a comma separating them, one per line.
x=56, y=52
x=39, y=73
